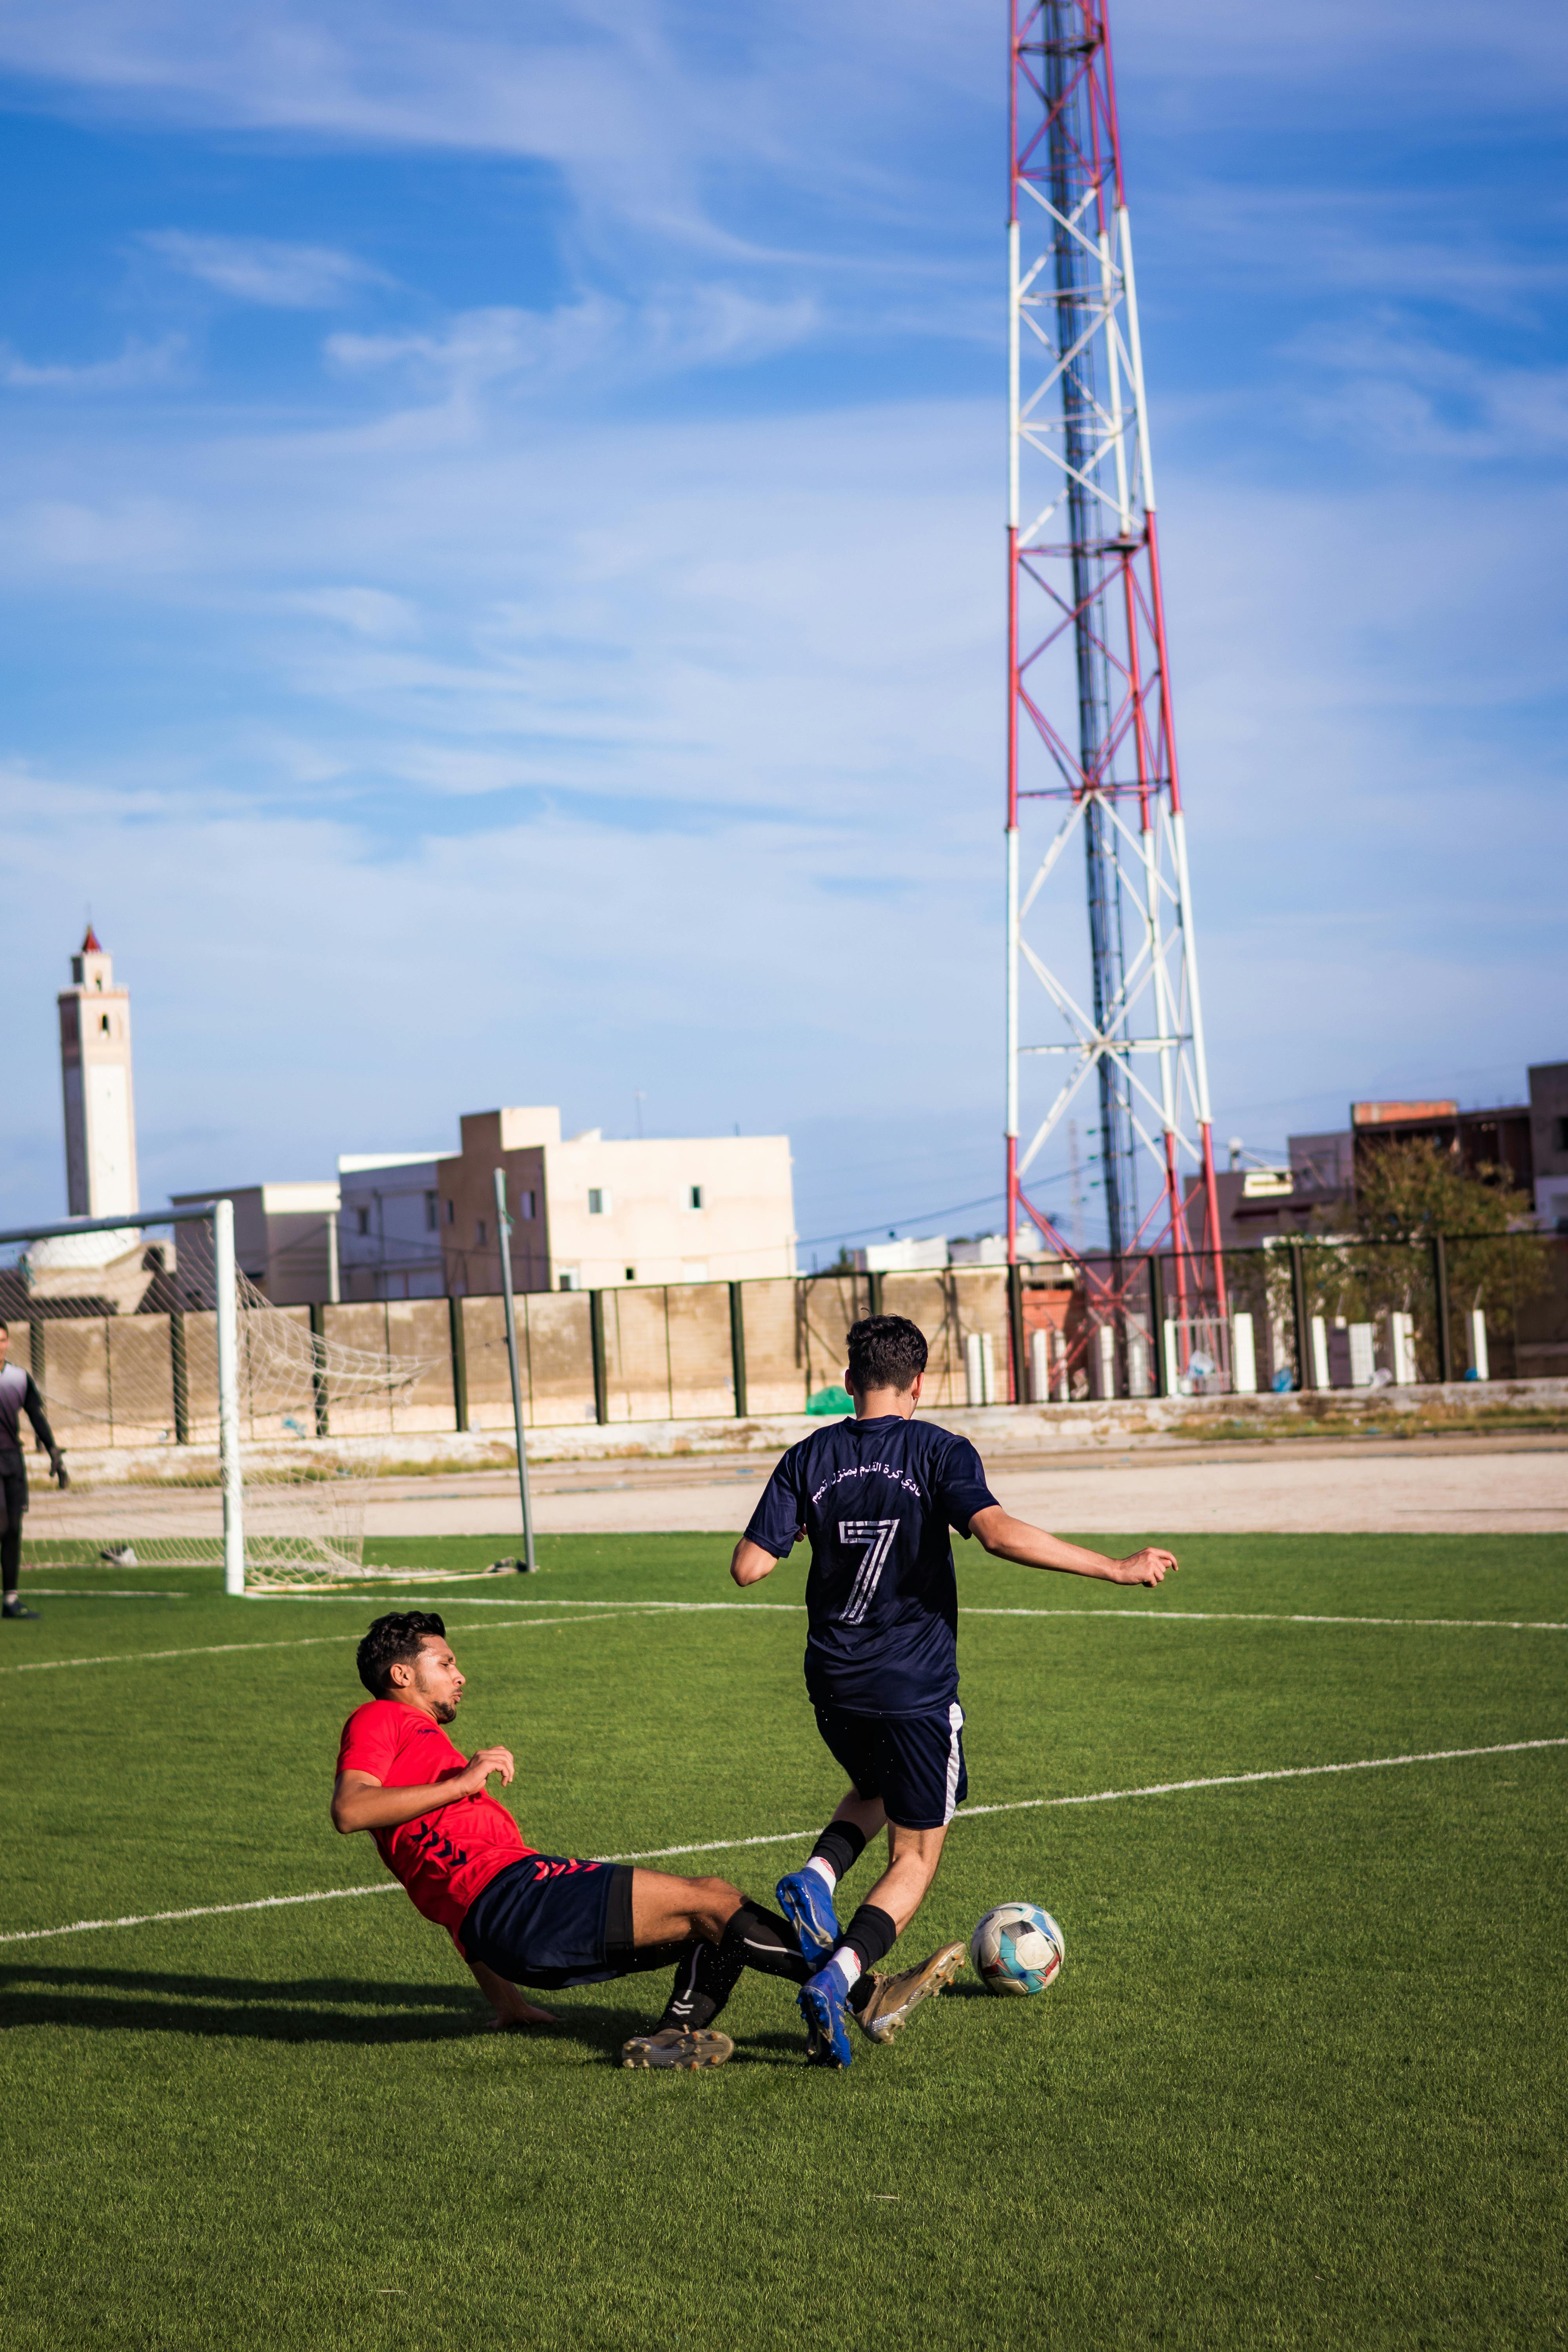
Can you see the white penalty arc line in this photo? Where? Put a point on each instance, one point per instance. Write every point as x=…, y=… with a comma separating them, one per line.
x=789, y=1609
x=794, y=1837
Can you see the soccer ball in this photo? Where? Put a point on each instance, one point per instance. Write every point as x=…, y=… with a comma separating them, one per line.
x=1018, y=1949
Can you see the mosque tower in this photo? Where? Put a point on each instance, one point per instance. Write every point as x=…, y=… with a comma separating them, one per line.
x=95, y=1067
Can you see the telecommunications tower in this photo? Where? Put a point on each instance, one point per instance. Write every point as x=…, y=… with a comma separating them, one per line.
x=1104, y=1021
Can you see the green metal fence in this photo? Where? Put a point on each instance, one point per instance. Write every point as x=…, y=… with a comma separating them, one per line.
x=1307, y=1315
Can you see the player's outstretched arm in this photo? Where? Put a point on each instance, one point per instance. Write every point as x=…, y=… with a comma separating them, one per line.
x=361, y=1802
x=1011, y=1538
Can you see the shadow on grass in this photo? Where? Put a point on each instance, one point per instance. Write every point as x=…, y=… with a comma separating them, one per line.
x=310, y=2008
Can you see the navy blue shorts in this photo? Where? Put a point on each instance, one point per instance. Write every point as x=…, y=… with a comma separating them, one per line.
x=913, y=1762
x=551, y=1921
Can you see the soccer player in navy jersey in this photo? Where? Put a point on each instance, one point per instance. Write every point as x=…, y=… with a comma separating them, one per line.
x=518, y=1916
x=876, y=1497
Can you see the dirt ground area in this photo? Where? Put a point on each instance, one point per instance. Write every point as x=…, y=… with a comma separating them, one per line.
x=1516, y=1485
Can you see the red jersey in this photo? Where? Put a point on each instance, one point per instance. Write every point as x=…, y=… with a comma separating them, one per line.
x=446, y=1858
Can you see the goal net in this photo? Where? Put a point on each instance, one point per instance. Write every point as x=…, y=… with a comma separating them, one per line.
x=203, y=1425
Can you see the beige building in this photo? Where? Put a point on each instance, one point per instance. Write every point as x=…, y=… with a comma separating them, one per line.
x=95, y=1072
x=589, y=1214
x=285, y=1237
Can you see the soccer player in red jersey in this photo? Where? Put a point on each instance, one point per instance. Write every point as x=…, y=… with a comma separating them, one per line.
x=517, y=1917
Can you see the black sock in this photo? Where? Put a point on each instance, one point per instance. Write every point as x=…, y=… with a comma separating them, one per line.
x=840, y=1846
x=869, y=1935
x=757, y=1939
x=707, y=1974
x=705, y=1977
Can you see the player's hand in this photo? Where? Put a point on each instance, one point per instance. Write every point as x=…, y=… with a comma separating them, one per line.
x=486, y=1760
x=1149, y=1566
x=58, y=1464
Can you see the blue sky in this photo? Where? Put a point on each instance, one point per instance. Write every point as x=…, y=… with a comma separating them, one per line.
x=500, y=564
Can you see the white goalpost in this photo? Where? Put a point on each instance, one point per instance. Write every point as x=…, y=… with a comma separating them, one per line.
x=226, y=1289
x=204, y=1426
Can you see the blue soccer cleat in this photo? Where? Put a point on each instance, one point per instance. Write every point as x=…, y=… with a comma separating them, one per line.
x=825, y=2005
x=807, y=1904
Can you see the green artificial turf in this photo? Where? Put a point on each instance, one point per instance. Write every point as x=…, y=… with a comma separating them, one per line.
x=1300, y=2083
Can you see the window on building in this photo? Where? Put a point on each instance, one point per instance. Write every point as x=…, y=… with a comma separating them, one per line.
x=568, y=1277
x=599, y=1205
x=694, y=1197
x=361, y=1217
x=451, y=1212
x=429, y=1212
x=479, y=1235
x=1562, y=1134
x=525, y=1205
x=631, y=1274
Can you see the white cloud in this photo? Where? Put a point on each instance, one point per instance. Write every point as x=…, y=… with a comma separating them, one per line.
x=133, y=538
x=571, y=713
x=702, y=326
x=138, y=365
x=1399, y=59
x=364, y=611
x=1405, y=245
x=256, y=269
x=1394, y=385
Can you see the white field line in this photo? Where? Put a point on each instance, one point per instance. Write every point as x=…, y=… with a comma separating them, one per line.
x=1282, y=1617
x=523, y=1600
x=794, y=1837
x=1115, y=1796
x=785, y=1608
x=199, y=1911
x=792, y=1609
x=224, y=1649
x=101, y=1592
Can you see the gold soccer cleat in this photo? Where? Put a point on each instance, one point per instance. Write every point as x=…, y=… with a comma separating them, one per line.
x=670, y=2047
x=894, y=1998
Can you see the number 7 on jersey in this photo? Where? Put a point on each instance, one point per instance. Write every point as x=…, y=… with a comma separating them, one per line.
x=877, y=1535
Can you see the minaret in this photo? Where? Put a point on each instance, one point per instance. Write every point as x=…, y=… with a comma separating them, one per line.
x=95, y=1066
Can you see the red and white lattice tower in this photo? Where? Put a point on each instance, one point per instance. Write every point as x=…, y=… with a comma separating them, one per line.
x=1102, y=992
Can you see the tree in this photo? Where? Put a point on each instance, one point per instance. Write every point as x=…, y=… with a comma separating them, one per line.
x=1406, y=1194
x=1410, y=1192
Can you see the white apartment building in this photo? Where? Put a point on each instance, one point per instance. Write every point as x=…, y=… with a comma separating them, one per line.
x=590, y=1214
x=389, y=1233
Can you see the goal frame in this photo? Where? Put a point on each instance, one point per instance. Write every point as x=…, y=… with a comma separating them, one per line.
x=219, y=1214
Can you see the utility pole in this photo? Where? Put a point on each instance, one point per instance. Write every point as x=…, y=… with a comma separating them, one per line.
x=503, y=1235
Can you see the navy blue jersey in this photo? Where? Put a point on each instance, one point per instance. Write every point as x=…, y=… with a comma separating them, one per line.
x=876, y=1499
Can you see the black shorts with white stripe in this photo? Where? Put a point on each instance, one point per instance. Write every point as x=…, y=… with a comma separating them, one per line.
x=913, y=1762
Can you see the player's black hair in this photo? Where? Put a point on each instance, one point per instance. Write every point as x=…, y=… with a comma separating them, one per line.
x=6, y=1329
x=886, y=1351
x=393, y=1641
